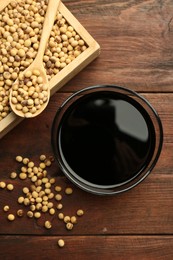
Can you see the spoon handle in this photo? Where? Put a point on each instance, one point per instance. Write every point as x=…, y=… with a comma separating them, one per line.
x=47, y=27
x=4, y=3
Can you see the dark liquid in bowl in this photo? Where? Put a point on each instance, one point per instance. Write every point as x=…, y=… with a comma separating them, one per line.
x=106, y=138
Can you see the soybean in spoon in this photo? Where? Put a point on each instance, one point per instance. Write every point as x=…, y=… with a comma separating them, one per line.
x=30, y=93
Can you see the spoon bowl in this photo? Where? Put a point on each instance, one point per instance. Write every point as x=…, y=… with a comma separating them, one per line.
x=35, y=66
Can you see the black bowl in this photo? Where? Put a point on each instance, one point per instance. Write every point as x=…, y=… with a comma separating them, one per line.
x=106, y=139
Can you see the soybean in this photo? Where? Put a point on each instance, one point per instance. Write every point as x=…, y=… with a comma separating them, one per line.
x=48, y=224
x=61, y=243
x=11, y=217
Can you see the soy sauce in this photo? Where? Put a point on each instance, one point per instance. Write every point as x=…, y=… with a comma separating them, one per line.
x=106, y=138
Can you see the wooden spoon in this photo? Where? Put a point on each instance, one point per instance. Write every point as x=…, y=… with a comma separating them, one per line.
x=4, y=3
x=37, y=64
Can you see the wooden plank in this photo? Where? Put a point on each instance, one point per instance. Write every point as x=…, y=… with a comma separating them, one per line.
x=87, y=247
x=39, y=143
x=161, y=102
x=147, y=209
x=136, y=41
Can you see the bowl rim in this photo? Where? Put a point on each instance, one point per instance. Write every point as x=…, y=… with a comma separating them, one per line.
x=100, y=189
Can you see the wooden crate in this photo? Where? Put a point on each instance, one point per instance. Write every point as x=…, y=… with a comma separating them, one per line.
x=67, y=73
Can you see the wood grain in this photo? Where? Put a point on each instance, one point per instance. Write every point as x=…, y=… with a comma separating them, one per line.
x=138, y=211
x=136, y=51
x=143, y=210
x=87, y=247
x=136, y=43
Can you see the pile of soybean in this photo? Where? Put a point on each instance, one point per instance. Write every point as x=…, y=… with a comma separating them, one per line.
x=42, y=194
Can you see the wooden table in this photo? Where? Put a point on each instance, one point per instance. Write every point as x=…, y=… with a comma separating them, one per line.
x=136, y=39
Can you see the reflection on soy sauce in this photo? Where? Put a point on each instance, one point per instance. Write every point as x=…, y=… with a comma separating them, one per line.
x=105, y=140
